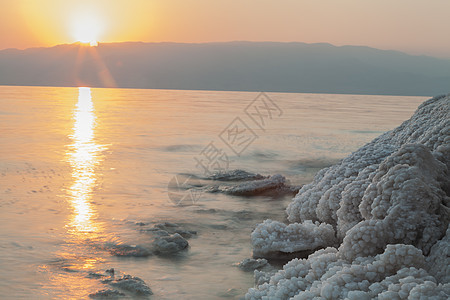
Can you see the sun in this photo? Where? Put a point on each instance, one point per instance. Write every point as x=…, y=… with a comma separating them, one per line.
x=86, y=28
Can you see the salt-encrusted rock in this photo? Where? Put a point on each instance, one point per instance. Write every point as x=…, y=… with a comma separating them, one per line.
x=401, y=205
x=273, y=236
x=348, y=213
x=438, y=262
x=107, y=294
x=166, y=225
x=251, y=264
x=276, y=184
x=133, y=285
x=327, y=276
x=171, y=244
x=321, y=199
x=167, y=228
x=95, y=275
x=229, y=293
x=262, y=277
x=389, y=204
x=235, y=175
x=130, y=250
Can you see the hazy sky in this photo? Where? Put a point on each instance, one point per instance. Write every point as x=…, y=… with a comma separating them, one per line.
x=413, y=26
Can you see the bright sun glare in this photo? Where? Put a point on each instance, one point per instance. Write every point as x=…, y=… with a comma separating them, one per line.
x=86, y=28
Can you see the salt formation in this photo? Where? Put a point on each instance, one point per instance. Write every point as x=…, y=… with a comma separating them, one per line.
x=242, y=183
x=107, y=294
x=169, y=239
x=235, y=175
x=250, y=264
x=166, y=245
x=167, y=228
x=131, y=284
x=129, y=251
x=381, y=215
x=275, y=184
x=272, y=236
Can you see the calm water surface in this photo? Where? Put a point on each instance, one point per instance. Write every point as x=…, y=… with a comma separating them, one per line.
x=84, y=169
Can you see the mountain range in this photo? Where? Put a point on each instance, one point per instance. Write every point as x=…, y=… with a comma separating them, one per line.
x=229, y=66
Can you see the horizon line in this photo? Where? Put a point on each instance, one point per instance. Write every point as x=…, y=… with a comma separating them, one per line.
x=209, y=90
x=99, y=43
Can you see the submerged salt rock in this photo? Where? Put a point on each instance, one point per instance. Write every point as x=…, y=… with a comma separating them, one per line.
x=276, y=184
x=251, y=264
x=389, y=202
x=170, y=244
x=235, y=175
x=185, y=233
x=230, y=293
x=110, y=271
x=107, y=294
x=274, y=236
x=130, y=251
x=95, y=275
x=131, y=284
x=167, y=228
x=166, y=225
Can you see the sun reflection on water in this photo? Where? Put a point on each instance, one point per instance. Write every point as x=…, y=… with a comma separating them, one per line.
x=84, y=156
x=82, y=249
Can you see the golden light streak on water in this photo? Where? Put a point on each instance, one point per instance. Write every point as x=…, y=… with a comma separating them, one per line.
x=79, y=253
x=84, y=156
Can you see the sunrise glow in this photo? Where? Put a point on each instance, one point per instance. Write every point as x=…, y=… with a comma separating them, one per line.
x=87, y=28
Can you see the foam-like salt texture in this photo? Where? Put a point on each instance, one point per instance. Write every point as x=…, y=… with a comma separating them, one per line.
x=386, y=206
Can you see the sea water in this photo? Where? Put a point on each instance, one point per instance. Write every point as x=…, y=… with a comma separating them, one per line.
x=83, y=170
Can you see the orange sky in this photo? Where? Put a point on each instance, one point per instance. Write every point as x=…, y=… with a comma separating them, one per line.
x=413, y=26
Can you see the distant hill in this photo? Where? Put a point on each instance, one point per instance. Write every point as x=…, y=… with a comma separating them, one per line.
x=237, y=66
